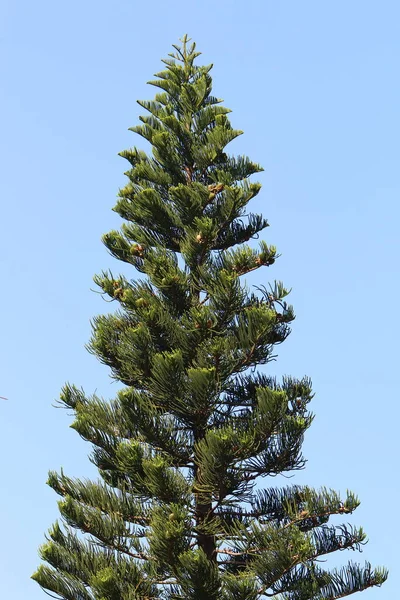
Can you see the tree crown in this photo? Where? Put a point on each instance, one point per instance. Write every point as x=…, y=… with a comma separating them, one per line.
x=176, y=512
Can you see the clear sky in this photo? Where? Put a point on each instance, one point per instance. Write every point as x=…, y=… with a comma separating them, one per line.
x=315, y=85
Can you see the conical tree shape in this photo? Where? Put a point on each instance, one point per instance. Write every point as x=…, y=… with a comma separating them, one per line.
x=176, y=513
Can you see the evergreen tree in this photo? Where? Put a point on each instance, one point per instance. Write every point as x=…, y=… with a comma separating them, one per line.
x=176, y=513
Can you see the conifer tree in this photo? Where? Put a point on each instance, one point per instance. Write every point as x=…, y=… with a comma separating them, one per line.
x=183, y=508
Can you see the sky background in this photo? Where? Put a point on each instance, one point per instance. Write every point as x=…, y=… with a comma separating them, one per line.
x=316, y=88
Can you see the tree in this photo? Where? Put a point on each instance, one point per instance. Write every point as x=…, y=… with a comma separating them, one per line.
x=176, y=512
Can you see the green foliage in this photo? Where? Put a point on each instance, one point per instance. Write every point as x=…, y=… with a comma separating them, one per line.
x=176, y=513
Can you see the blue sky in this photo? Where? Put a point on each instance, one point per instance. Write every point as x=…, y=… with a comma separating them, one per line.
x=316, y=88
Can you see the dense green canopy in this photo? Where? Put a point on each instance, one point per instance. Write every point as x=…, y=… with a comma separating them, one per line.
x=176, y=512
